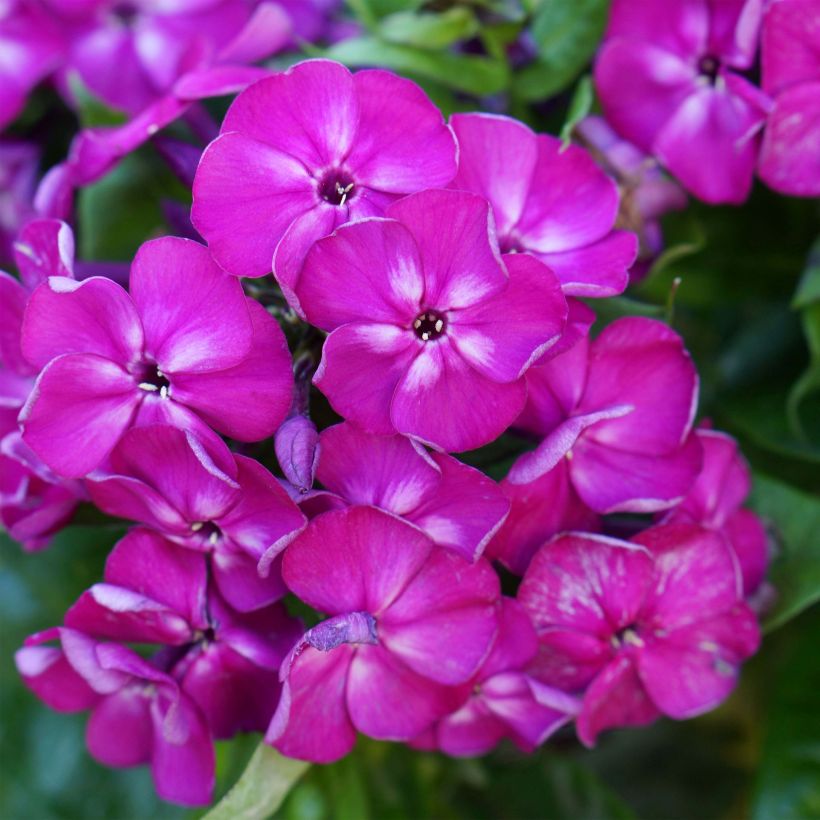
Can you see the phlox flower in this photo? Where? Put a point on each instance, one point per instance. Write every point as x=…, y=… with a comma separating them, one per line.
x=130, y=54
x=619, y=410
x=455, y=505
x=138, y=712
x=502, y=700
x=407, y=622
x=184, y=346
x=227, y=662
x=715, y=502
x=790, y=60
x=667, y=77
x=307, y=150
x=648, y=627
x=431, y=331
x=548, y=200
x=203, y=497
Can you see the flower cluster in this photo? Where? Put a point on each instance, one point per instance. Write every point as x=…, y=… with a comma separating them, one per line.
x=430, y=277
x=677, y=79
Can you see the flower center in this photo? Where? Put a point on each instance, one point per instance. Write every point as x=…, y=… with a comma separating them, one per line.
x=628, y=636
x=153, y=380
x=428, y=326
x=336, y=187
x=207, y=531
x=509, y=244
x=125, y=12
x=708, y=67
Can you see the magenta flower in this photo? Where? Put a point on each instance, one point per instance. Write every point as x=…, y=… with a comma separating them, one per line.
x=620, y=411
x=715, y=502
x=130, y=54
x=456, y=506
x=31, y=47
x=790, y=154
x=667, y=77
x=185, y=347
x=202, y=496
x=552, y=202
x=402, y=632
x=138, y=712
x=648, y=627
x=305, y=151
x=502, y=700
x=226, y=662
x=429, y=319
x=539, y=510
x=646, y=193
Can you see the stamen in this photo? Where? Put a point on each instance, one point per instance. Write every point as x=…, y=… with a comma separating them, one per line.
x=429, y=325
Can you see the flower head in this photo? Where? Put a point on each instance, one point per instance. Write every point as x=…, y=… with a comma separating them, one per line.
x=185, y=346
x=202, y=496
x=305, y=151
x=548, y=200
x=400, y=633
x=667, y=77
x=648, y=627
x=619, y=409
x=432, y=331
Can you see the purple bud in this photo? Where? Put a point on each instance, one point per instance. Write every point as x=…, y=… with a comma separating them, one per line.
x=355, y=627
x=297, y=448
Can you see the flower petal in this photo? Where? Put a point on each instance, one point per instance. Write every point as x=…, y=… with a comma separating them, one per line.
x=502, y=336
x=194, y=314
x=368, y=271
x=356, y=559
x=249, y=400
x=95, y=316
x=361, y=366
x=80, y=406
x=478, y=409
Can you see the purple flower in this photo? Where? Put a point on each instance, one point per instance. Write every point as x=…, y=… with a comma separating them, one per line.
x=646, y=192
x=202, y=496
x=138, y=712
x=431, y=331
x=648, y=627
x=667, y=79
x=228, y=662
x=185, y=347
x=408, y=621
x=715, y=502
x=18, y=178
x=790, y=154
x=502, y=700
x=32, y=46
x=457, y=506
x=552, y=202
x=305, y=151
x=620, y=411
x=130, y=54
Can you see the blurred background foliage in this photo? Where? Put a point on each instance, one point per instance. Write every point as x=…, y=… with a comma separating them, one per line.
x=743, y=287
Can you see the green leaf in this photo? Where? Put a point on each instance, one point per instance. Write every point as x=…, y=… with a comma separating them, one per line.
x=579, y=107
x=468, y=73
x=567, y=34
x=119, y=212
x=427, y=30
x=608, y=310
x=263, y=786
x=788, y=782
x=795, y=573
